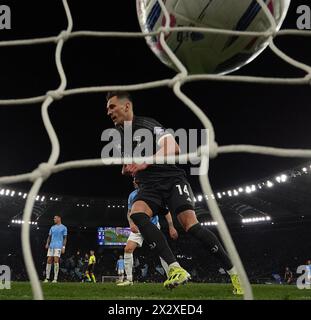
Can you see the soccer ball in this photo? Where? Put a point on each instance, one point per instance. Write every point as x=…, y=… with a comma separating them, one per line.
x=210, y=52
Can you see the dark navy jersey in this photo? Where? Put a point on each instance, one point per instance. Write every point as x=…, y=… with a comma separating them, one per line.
x=154, y=172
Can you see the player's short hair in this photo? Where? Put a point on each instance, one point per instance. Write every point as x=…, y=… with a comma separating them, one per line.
x=58, y=215
x=119, y=94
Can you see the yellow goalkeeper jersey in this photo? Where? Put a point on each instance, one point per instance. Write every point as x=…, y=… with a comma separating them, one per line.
x=92, y=260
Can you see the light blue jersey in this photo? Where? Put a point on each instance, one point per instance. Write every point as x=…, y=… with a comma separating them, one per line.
x=308, y=274
x=57, y=233
x=120, y=264
x=131, y=198
x=154, y=220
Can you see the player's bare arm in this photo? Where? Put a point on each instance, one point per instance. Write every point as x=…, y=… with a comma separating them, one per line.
x=64, y=244
x=48, y=241
x=168, y=147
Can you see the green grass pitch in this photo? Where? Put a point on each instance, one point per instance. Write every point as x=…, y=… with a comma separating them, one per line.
x=109, y=291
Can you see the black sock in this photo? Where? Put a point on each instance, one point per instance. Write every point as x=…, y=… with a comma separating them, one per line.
x=153, y=236
x=210, y=240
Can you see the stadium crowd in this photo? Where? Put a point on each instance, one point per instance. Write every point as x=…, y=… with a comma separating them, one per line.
x=265, y=255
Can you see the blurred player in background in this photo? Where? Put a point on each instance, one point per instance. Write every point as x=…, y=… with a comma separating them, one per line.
x=308, y=268
x=120, y=268
x=136, y=239
x=85, y=265
x=288, y=276
x=56, y=245
x=90, y=268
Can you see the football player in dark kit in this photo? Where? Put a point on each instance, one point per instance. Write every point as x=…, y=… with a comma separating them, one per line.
x=162, y=185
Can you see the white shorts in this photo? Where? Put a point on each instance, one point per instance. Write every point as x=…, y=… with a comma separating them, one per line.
x=138, y=238
x=54, y=252
x=120, y=272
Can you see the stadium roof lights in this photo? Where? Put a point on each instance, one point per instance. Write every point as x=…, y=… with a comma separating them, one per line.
x=12, y=193
x=244, y=221
x=209, y=223
x=115, y=206
x=256, y=219
x=282, y=178
x=269, y=184
x=22, y=222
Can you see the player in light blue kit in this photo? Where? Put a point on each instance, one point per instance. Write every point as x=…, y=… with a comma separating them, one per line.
x=56, y=245
x=308, y=270
x=120, y=268
x=136, y=239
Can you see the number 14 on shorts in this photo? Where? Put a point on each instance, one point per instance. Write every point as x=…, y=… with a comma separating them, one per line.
x=183, y=190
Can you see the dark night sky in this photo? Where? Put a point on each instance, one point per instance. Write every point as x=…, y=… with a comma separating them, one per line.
x=241, y=113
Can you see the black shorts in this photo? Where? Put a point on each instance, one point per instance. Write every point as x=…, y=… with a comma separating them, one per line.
x=174, y=193
x=90, y=268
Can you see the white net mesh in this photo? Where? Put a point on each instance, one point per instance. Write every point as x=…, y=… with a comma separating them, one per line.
x=44, y=170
